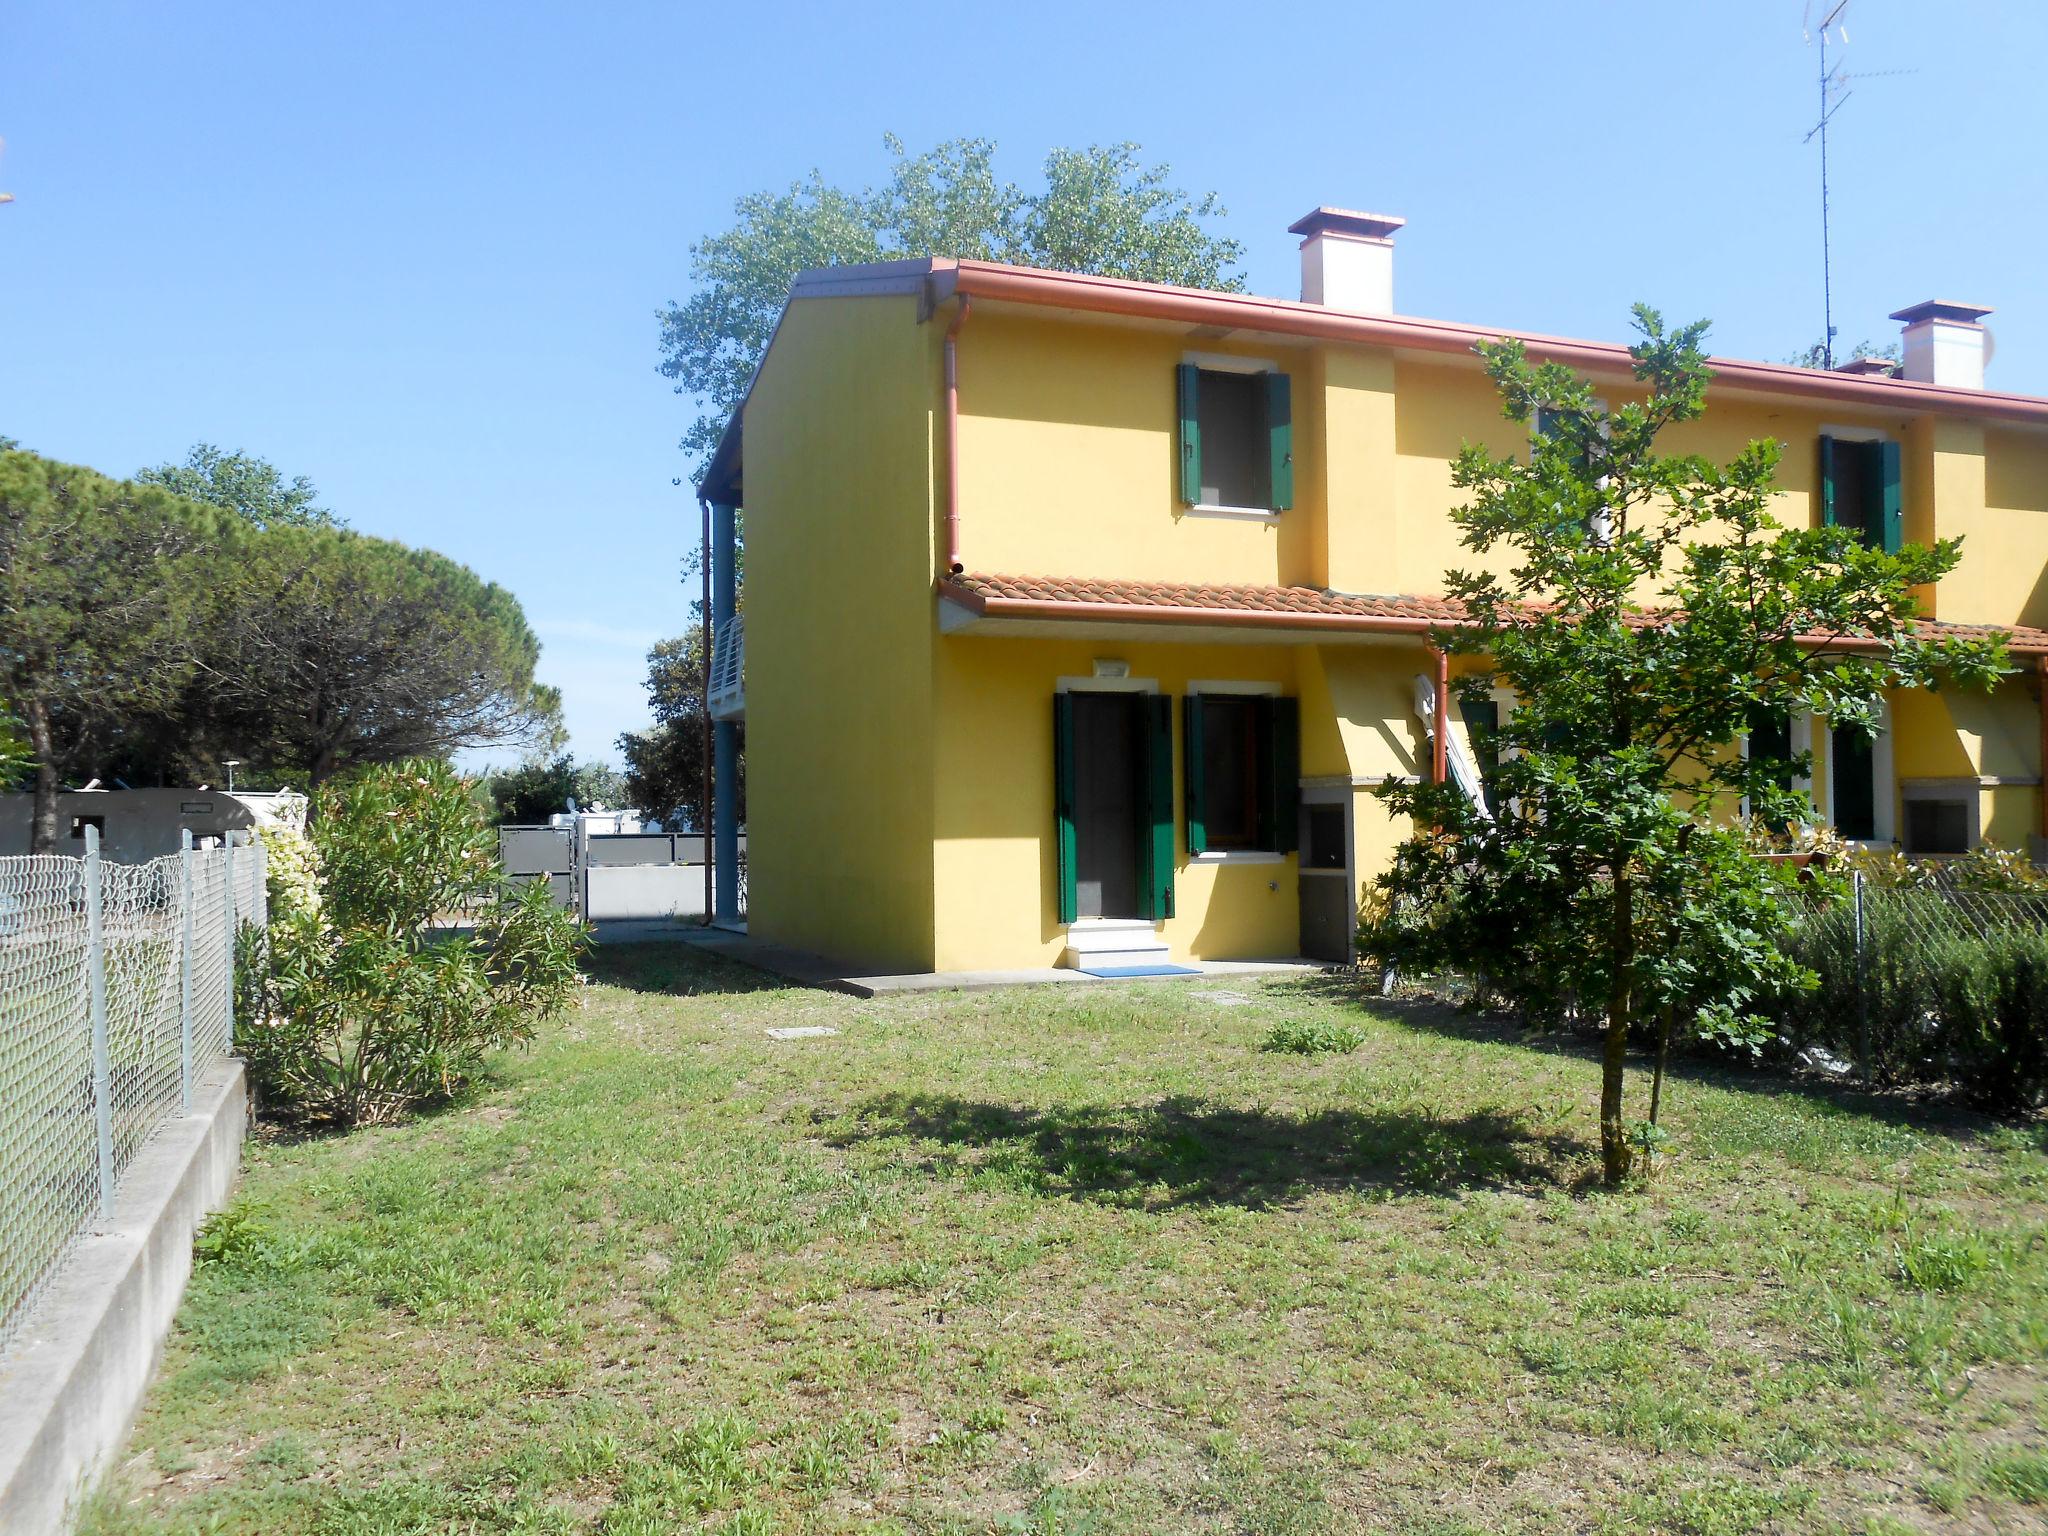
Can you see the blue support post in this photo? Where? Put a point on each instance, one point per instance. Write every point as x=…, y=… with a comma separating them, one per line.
x=725, y=741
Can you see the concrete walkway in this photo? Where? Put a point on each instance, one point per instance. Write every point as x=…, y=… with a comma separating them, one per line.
x=807, y=969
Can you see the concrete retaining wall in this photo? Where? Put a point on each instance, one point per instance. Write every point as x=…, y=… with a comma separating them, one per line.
x=69, y=1390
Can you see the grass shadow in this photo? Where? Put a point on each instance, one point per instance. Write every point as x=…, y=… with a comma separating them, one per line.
x=1188, y=1151
x=1918, y=1108
x=674, y=968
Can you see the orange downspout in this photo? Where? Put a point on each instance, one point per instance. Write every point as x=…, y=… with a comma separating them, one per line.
x=953, y=567
x=1440, y=731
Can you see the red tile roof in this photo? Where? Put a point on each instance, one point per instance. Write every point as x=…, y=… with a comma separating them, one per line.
x=1082, y=598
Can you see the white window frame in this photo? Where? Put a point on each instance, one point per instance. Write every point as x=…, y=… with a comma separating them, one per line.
x=1222, y=687
x=1800, y=736
x=1230, y=362
x=1884, y=789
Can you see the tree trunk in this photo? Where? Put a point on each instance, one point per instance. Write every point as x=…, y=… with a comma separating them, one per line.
x=1663, y=1060
x=1614, y=1153
x=42, y=836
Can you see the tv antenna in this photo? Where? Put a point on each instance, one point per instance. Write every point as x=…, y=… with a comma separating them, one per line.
x=1834, y=94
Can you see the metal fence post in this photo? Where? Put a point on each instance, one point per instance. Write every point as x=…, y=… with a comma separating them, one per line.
x=1862, y=982
x=228, y=912
x=96, y=1002
x=185, y=971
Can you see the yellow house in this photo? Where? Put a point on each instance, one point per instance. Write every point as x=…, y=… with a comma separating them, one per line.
x=1082, y=615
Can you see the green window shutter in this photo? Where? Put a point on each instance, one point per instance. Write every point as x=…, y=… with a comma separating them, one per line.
x=1156, y=856
x=1190, y=391
x=1280, y=439
x=1827, y=482
x=1891, y=520
x=1063, y=803
x=1195, y=811
x=1280, y=720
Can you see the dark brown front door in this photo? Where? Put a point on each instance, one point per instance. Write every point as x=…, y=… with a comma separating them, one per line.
x=1108, y=800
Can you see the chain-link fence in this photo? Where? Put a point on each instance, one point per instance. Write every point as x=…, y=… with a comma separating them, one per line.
x=116, y=995
x=1924, y=979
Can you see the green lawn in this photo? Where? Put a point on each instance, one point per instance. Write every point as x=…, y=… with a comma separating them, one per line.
x=1087, y=1259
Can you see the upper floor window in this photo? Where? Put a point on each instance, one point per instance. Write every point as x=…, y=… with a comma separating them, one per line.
x=1860, y=489
x=1236, y=437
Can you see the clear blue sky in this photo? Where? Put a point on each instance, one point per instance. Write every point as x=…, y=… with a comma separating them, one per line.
x=414, y=252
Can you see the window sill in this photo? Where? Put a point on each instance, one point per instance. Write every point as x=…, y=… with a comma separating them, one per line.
x=1239, y=514
x=1236, y=856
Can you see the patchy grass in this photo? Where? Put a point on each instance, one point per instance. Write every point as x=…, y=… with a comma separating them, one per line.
x=1089, y=1259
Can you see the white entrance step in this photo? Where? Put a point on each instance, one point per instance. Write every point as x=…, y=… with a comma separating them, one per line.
x=1098, y=943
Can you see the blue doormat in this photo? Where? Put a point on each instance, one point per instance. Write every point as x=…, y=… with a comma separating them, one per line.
x=1119, y=971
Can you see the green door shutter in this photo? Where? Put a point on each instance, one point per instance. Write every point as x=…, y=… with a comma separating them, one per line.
x=1190, y=391
x=1063, y=803
x=1156, y=855
x=1280, y=721
x=1194, y=811
x=1891, y=518
x=1482, y=729
x=1827, y=482
x=1280, y=439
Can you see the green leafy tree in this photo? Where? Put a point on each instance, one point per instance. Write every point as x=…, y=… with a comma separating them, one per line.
x=1817, y=355
x=333, y=649
x=15, y=758
x=375, y=1003
x=541, y=786
x=1604, y=869
x=251, y=488
x=665, y=763
x=103, y=584
x=1100, y=210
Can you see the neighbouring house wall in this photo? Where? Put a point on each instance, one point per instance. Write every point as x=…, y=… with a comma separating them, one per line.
x=2004, y=571
x=1069, y=455
x=840, y=454
x=994, y=862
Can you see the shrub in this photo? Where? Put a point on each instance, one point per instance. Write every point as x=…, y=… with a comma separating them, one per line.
x=376, y=1000
x=1313, y=1037
x=1946, y=993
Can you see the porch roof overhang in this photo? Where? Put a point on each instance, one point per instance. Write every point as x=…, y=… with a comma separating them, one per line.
x=978, y=603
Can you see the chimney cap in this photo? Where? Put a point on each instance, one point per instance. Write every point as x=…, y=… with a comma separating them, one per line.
x=1941, y=309
x=1345, y=221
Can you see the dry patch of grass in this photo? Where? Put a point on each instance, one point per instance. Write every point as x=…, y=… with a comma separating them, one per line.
x=1092, y=1260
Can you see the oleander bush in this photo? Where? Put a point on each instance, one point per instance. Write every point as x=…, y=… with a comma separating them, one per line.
x=378, y=999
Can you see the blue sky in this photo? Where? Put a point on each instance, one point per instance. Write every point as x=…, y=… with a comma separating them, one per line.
x=414, y=252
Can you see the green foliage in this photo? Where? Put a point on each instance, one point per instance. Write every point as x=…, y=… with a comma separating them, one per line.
x=1642, y=608
x=102, y=589
x=1942, y=993
x=15, y=757
x=542, y=786
x=1101, y=209
x=664, y=775
x=1313, y=1037
x=383, y=1003
x=332, y=649
x=1816, y=356
x=252, y=489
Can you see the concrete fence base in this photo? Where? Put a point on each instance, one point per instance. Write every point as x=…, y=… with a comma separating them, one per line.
x=70, y=1388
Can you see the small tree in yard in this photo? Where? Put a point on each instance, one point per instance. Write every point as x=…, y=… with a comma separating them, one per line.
x=375, y=1002
x=1651, y=610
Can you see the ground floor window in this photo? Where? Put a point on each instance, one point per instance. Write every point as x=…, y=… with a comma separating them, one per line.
x=1853, y=780
x=1241, y=758
x=1113, y=803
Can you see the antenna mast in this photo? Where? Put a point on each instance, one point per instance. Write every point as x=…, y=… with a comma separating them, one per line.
x=1830, y=104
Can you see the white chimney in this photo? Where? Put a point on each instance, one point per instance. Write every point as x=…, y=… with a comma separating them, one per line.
x=1347, y=259
x=1945, y=343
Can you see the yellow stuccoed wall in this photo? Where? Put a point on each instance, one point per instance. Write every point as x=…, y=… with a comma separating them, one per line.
x=923, y=762
x=840, y=633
